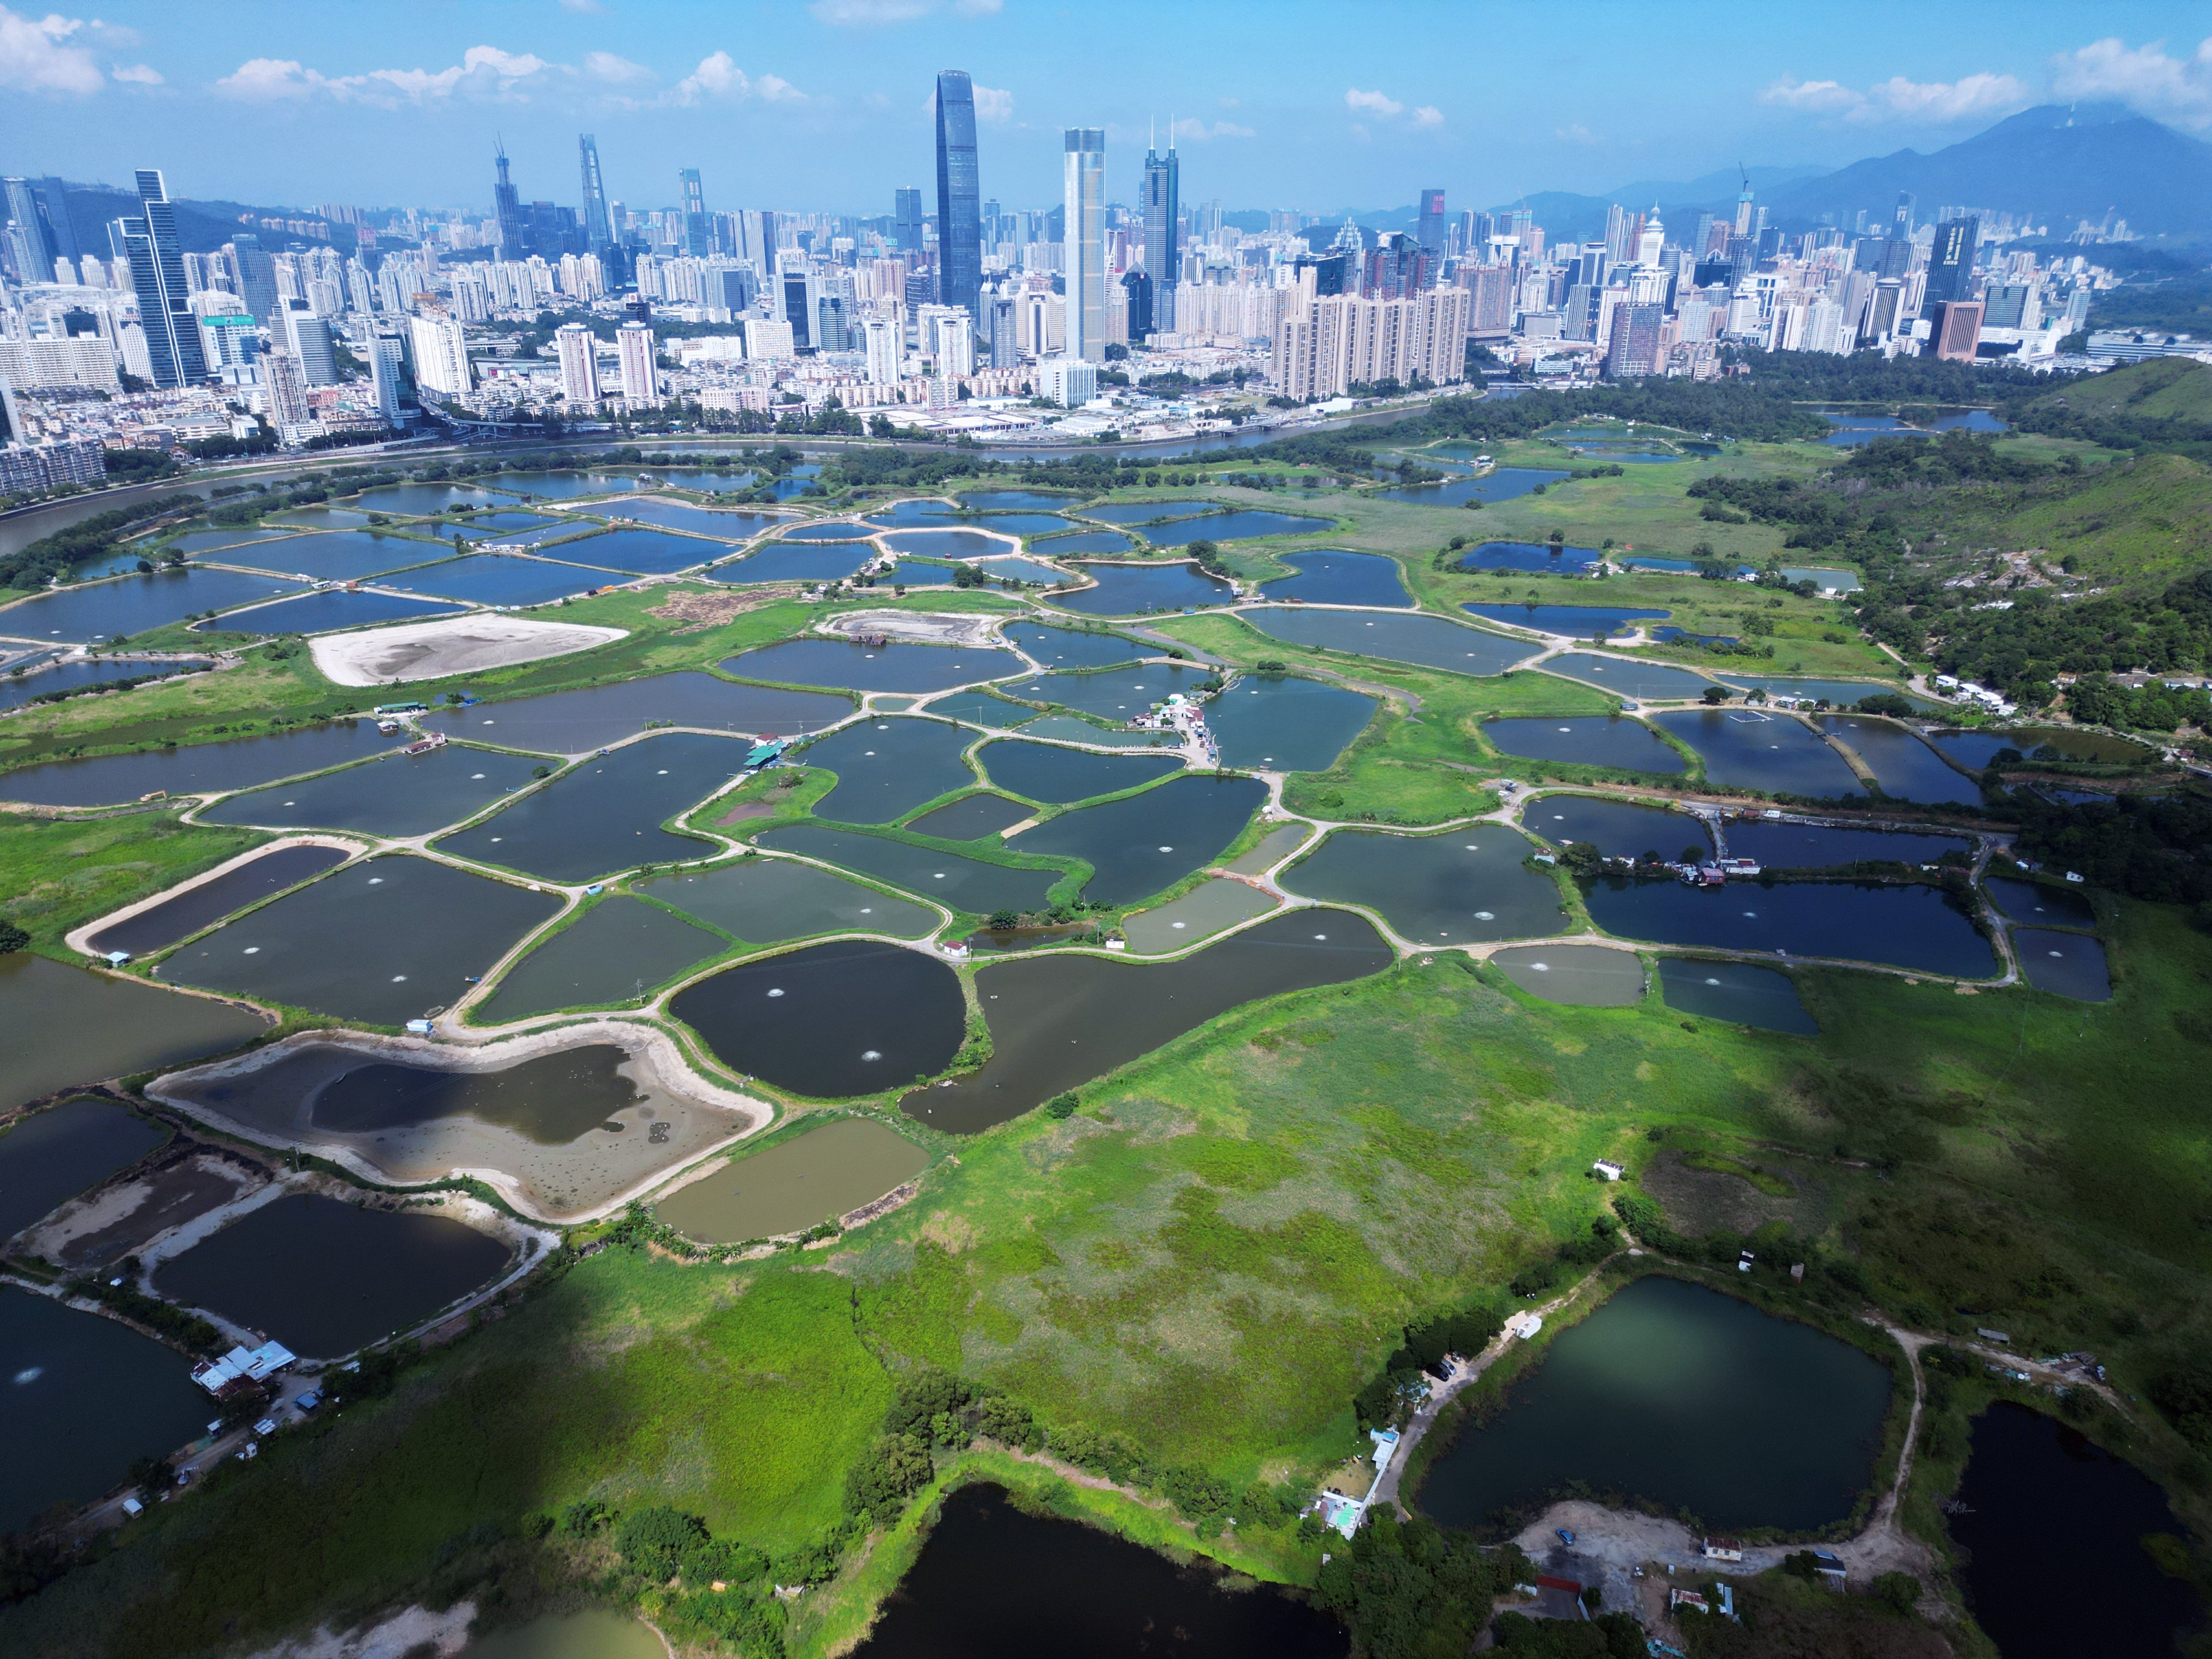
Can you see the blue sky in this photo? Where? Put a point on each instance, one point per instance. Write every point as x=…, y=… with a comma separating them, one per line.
x=824, y=105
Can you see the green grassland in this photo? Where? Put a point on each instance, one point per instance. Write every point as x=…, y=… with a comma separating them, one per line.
x=63, y=873
x=2142, y=520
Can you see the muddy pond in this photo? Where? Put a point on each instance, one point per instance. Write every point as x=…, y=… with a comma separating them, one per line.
x=1740, y=993
x=61, y=1025
x=813, y=1177
x=1425, y=641
x=1465, y=886
x=186, y=913
x=958, y=882
x=576, y=722
x=615, y=954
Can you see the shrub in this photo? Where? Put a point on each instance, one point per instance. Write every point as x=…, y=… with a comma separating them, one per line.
x=896, y=1468
x=654, y=1541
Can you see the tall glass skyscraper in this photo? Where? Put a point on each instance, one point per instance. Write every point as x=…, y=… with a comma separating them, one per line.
x=598, y=229
x=959, y=194
x=697, y=240
x=1083, y=242
x=157, y=272
x=1162, y=234
x=506, y=203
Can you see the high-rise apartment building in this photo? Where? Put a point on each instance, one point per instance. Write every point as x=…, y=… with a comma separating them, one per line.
x=287, y=391
x=579, y=363
x=307, y=337
x=384, y=354
x=1632, y=346
x=881, y=342
x=1326, y=346
x=641, y=386
x=1163, y=241
x=698, y=238
x=598, y=229
x=1084, y=177
x=157, y=272
x=959, y=193
x=440, y=351
x=906, y=219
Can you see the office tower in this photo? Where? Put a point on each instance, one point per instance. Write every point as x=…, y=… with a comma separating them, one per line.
x=633, y=351
x=506, y=206
x=1140, y=290
x=33, y=243
x=579, y=363
x=60, y=232
x=157, y=272
x=598, y=229
x=1431, y=230
x=882, y=343
x=1745, y=221
x=308, y=337
x=1901, y=223
x=959, y=192
x=798, y=297
x=906, y=219
x=1651, y=240
x=1163, y=200
x=698, y=241
x=385, y=351
x=1084, y=177
x=1954, y=329
x=1951, y=261
x=11, y=418
x=1617, y=248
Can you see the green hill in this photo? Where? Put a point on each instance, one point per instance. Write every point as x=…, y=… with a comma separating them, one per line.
x=2139, y=521
x=2162, y=388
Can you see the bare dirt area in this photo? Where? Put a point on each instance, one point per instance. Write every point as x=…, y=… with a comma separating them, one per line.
x=700, y=609
x=914, y=627
x=454, y=645
x=121, y=1219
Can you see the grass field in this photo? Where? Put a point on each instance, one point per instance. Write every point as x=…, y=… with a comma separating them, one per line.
x=62, y=873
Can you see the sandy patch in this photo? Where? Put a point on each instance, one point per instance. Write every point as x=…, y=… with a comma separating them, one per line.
x=404, y=1635
x=914, y=626
x=456, y=645
x=677, y=1118
x=121, y=1219
x=702, y=611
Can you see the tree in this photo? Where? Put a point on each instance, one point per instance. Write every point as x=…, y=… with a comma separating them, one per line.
x=1715, y=695
x=896, y=1468
x=653, y=1540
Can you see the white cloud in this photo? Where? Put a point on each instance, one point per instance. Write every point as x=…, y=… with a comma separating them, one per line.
x=585, y=7
x=1576, y=134
x=1199, y=131
x=717, y=76
x=979, y=8
x=35, y=56
x=870, y=13
x=776, y=89
x=2146, y=77
x=1897, y=99
x=992, y=104
x=616, y=71
x=484, y=71
x=138, y=74
x=1377, y=103
x=1428, y=116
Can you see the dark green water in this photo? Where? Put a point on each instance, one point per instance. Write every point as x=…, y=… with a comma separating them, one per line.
x=323, y=1277
x=1286, y=722
x=1143, y=844
x=2065, y=964
x=62, y=1025
x=1617, y=828
x=1425, y=641
x=400, y=795
x=1685, y=1398
x=812, y=1177
x=887, y=768
x=577, y=722
x=766, y=901
x=1744, y=749
x=414, y=932
x=1642, y=681
x=853, y=666
x=848, y=1018
x=1463, y=886
x=956, y=882
x=212, y=901
x=971, y=818
x=1580, y=975
x=982, y=709
x=1598, y=740
x=85, y=1399
x=1047, y=771
x=616, y=952
x=198, y=769
x=1737, y=992
x=55, y=1154
x=605, y=815
x=552, y=1100
x=2039, y=902
x=1058, y=1021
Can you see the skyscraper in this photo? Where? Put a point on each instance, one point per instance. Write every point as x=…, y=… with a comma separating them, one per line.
x=634, y=350
x=959, y=193
x=1163, y=240
x=1901, y=224
x=1432, y=233
x=906, y=218
x=157, y=272
x=385, y=354
x=598, y=229
x=254, y=274
x=698, y=240
x=579, y=363
x=506, y=205
x=1951, y=261
x=307, y=337
x=1085, y=241
x=35, y=246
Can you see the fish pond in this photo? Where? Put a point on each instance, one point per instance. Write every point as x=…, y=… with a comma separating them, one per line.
x=1529, y=555
x=133, y=604
x=564, y=486
x=1465, y=886
x=982, y=709
x=616, y=952
x=2037, y=903
x=1609, y=740
x=344, y=555
x=1904, y=766
x=958, y=542
x=1142, y=843
x=399, y=796
x=328, y=613
x=850, y=666
x=706, y=521
x=2064, y=964
x=1775, y=844
x=995, y=1581
x=1617, y=828
x=1138, y=513
x=61, y=1025
x=814, y=1176
x=1241, y=525
x=1135, y=589
x=87, y=1398
x=55, y=1154
x=2090, y=1585
x=499, y=579
x=642, y=552
x=788, y=560
x=1579, y=975
x=576, y=722
x=325, y=1277
x=887, y=768
x=1056, y=776
x=1212, y=906
x=767, y=901
x=852, y=1016
x=1111, y=693
x=1644, y=681
x=971, y=818
x=196, y=908
x=1425, y=641
x=605, y=814
x=1076, y=647
x=1016, y=500
x=417, y=934
x=1058, y=1021
x=1107, y=543
x=1286, y=722
x=1331, y=576
x=1684, y=1399
x=1915, y=926
x=1843, y=694
x=1579, y=622
x=819, y=530
x=420, y=500
x=16, y=690
x=1745, y=749
x=1740, y=993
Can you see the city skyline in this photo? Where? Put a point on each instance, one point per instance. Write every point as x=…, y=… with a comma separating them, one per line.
x=829, y=105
